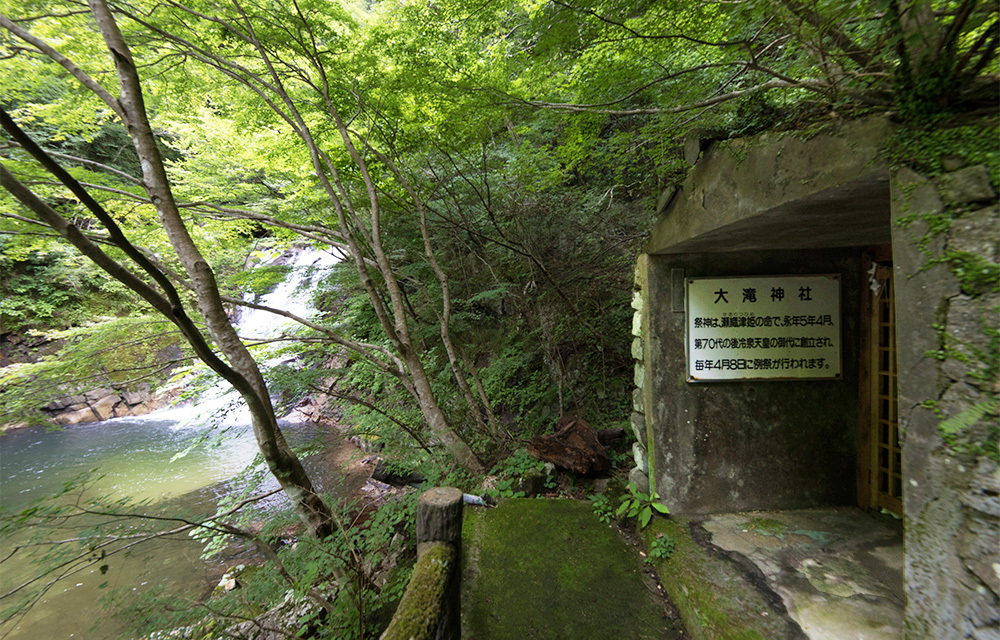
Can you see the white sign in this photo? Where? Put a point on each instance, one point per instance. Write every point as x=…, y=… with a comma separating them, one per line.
x=763, y=327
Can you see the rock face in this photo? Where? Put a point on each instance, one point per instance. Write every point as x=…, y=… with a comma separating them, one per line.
x=100, y=404
x=952, y=495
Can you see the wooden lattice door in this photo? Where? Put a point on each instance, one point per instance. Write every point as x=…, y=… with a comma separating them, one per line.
x=886, y=472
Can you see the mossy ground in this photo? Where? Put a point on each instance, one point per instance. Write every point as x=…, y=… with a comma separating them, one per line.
x=549, y=569
x=715, y=600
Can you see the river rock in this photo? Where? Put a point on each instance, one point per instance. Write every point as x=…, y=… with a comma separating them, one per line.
x=56, y=405
x=232, y=584
x=105, y=407
x=96, y=394
x=132, y=398
x=80, y=416
x=140, y=409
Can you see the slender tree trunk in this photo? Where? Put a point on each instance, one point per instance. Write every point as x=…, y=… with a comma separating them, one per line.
x=436, y=419
x=282, y=462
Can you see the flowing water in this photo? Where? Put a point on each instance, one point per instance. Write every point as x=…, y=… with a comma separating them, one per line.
x=134, y=458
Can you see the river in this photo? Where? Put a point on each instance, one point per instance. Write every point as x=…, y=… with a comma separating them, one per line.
x=134, y=458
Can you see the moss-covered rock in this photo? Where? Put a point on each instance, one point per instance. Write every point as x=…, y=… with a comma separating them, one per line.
x=715, y=600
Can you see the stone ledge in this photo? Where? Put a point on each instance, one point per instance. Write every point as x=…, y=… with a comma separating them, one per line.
x=715, y=600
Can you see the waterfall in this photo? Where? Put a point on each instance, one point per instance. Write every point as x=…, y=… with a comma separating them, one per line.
x=259, y=330
x=290, y=295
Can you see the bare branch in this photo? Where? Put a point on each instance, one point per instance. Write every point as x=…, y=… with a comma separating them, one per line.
x=645, y=36
x=812, y=85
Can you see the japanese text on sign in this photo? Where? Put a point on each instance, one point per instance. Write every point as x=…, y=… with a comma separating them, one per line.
x=763, y=327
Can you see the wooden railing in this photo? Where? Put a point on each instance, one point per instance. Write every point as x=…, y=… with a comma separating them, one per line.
x=431, y=606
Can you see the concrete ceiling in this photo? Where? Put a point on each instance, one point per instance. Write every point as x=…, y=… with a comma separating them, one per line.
x=853, y=214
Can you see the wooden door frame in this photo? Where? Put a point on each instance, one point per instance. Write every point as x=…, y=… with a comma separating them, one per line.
x=866, y=465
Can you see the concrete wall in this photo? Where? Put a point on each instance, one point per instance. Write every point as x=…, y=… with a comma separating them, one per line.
x=731, y=446
x=782, y=190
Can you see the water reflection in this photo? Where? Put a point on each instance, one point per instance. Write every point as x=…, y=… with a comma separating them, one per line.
x=135, y=458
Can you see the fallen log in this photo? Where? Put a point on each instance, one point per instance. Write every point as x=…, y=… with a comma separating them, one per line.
x=574, y=447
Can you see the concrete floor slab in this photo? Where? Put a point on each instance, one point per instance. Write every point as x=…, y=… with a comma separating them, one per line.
x=838, y=571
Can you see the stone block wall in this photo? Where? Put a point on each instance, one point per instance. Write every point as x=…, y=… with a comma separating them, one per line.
x=945, y=237
x=639, y=475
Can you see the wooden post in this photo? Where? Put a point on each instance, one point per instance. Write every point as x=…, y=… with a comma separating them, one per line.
x=431, y=608
x=439, y=516
x=439, y=519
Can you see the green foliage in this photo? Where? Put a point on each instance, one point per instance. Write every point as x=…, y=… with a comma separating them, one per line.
x=956, y=426
x=926, y=149
x=938, y=68
x=355, y=606
x=47, y=287
x=517, y=464
x=512, y=471
x=976, y=274
x=602, y=507
x=640, y=505
x=660, y=548
x=261, y=279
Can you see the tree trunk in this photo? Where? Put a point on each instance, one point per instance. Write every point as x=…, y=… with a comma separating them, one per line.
x=245, y=375
x=436, y=419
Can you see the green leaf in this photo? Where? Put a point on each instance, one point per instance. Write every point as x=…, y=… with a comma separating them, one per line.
x=661, y=508
x=962, y=421
x=644, y=517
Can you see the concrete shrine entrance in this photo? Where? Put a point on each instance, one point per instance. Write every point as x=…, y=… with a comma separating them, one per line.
x=784, y=430
x=748, y=400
